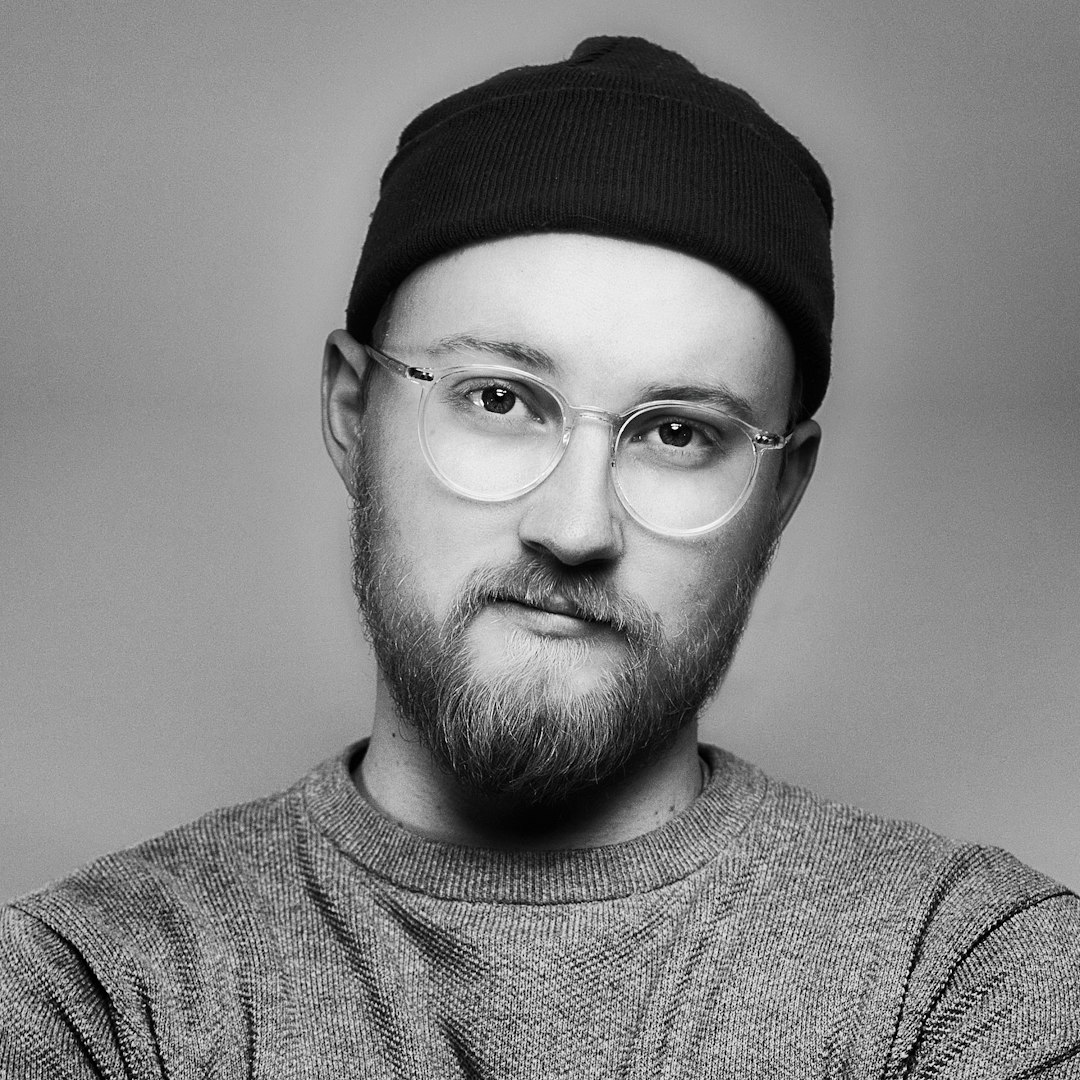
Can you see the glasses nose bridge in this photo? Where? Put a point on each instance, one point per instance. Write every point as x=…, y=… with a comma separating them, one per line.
x=571, y=415
x=574, y=413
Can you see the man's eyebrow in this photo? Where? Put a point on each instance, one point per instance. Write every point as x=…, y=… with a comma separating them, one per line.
x=515, y=351
x=715, y=394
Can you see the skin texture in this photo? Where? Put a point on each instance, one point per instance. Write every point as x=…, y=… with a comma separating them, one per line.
x=615, y=317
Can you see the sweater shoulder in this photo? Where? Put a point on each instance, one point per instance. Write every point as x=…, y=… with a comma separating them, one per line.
x=189, y=893
x=179, y=927
x=203, y=858
x=973, y=953
x=848, y=858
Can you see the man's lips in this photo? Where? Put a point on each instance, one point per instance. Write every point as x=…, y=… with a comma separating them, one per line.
x=552, y=616
x=556, y=605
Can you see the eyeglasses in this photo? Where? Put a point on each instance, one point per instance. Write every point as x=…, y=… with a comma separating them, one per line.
x=492, y=433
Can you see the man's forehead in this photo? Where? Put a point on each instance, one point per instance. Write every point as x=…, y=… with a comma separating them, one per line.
x=616, y=287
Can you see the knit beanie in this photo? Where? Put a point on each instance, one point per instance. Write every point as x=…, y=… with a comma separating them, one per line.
x=625, y=139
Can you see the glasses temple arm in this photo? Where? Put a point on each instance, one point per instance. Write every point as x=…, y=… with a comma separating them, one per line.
x=396, y=367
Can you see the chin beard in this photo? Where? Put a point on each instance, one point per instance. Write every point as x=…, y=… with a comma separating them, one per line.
x=521, y=736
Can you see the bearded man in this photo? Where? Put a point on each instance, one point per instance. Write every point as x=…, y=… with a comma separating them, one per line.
x=573, y=406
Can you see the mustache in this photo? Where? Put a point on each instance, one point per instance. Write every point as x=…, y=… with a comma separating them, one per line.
x=538, y=585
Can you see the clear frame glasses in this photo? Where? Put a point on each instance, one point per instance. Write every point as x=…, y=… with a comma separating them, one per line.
x=492, y=433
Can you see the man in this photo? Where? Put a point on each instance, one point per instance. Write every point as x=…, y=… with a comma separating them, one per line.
x=572, y=405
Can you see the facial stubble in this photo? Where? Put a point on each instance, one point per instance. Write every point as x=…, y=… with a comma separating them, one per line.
x=520, y=735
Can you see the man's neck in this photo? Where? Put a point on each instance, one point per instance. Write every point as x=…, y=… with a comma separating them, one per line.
x=398, y=776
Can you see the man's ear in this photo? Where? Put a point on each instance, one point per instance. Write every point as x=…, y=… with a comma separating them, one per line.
x=344, y=387
x=800, y=455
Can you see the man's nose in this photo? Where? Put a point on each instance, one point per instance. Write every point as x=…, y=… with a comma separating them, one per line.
x=575, y=515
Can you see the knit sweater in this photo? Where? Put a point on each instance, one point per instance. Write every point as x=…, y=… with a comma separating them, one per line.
x=760, y=933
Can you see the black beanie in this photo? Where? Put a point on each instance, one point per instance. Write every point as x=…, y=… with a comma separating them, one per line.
x=624, y=139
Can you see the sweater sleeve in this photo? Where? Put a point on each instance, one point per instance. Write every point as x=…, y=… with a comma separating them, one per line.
x=55, y=1018
x=1006, y=1005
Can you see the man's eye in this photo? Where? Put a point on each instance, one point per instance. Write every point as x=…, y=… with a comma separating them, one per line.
x=514, y=402
x=675, y=433
x=489, y=403
x=681, y=434
x=495, y=399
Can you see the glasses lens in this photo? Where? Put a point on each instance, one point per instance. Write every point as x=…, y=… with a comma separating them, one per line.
x=490, y=435
x=682, y=469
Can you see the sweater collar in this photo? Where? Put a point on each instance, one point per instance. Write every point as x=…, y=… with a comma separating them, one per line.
x=702, y=833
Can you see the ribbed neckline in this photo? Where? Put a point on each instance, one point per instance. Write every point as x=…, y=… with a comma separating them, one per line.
x=701, y=833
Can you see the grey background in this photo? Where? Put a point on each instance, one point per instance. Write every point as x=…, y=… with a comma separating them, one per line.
x=185, y=188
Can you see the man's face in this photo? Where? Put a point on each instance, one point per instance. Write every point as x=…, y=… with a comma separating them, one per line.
x=542, y=644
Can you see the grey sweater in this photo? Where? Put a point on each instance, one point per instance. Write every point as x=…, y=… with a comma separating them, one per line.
x=761, y=933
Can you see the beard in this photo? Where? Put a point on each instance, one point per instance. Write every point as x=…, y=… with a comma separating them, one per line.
x=521, y=734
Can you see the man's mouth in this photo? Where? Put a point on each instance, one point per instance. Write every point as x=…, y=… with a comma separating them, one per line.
x=552, y=604
x=552, y=615
x=555, y=605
